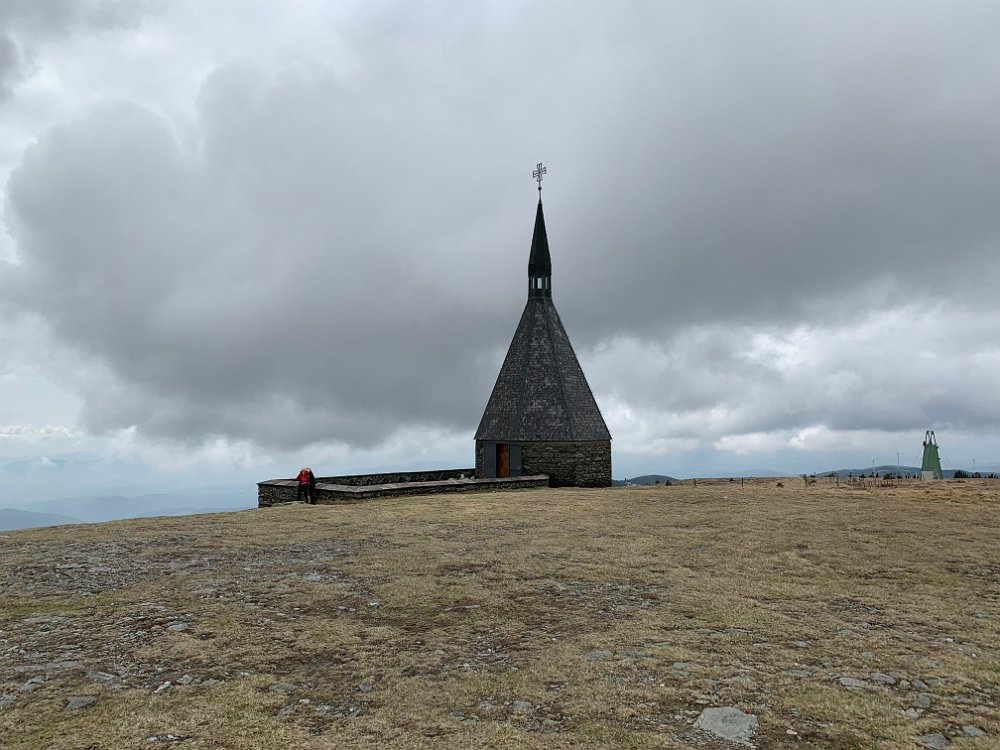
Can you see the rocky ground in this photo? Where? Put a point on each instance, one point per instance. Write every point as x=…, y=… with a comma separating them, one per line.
x=681, y=616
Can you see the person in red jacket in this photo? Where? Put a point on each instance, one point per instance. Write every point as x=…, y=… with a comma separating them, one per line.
x=307, y=485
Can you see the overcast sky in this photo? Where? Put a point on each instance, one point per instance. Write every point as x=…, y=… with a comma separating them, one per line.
x=242, y=236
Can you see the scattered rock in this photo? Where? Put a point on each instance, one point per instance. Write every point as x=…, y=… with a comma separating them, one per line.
x=850, y=682
x=681, y=665
x=885, y=679
x=597, y=655
x=104, y=678
x=521, y=706
x=31, y=685
x=798, y=672
x=281, y=687
x=911, y=713
x=5, y=700
x=178, y=627
x=364, y=687
x=47, y=620
x=630, y=654
x=920, y=685
x=729, y=723
x=162, y=688
x=922, y=701
x=972, y=731
x=934, y=741
x=79, y=701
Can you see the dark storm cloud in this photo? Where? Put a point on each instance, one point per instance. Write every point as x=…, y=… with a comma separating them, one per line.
x=328, y=252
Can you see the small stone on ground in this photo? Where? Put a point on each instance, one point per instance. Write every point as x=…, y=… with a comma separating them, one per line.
x=729, y=723
x=851, y=682
x=934, y=741
x=79, y=701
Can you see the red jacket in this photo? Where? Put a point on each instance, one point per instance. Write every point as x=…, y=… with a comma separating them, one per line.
x=304, y=477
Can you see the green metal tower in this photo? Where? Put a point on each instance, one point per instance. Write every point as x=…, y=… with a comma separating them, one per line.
x=931, y=467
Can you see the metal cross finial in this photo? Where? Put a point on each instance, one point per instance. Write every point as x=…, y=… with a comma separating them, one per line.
x=537, y=174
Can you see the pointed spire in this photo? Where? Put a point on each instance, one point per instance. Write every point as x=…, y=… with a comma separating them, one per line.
x=539, y=262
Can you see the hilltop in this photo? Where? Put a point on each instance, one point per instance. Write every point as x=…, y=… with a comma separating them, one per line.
x=839, y=617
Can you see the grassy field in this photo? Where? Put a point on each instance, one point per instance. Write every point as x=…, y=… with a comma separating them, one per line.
x=840, y=617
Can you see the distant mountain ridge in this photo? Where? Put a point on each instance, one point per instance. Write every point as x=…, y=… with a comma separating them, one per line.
x=12, y=518
x=906, y=471
x=114, y=507
x=881, y=470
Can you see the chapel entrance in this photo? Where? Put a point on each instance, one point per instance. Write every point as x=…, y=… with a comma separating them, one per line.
x=503, y=460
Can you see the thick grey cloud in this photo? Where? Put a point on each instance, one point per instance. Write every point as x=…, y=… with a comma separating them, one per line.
x=254, y=287
x=24, y=24
x=10, y=65
x=328, y=248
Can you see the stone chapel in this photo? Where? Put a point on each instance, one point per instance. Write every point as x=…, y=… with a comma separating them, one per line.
x=542, y=417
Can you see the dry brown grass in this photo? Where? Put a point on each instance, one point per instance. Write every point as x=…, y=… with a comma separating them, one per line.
x=544, y=618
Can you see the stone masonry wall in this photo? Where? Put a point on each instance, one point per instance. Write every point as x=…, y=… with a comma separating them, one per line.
x=568, y=463
x=277, y=491
x=395, y=477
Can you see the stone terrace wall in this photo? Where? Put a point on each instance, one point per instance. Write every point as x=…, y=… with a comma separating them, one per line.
x=277, y=491
x=363, y=480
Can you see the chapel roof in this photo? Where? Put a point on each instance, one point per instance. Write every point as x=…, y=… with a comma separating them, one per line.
x=541, y=393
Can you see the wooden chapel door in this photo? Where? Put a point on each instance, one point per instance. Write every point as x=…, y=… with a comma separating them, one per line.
x=503, y=460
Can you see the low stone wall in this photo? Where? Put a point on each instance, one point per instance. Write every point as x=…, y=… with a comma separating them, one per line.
x=397, y=477
x=277, y=491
